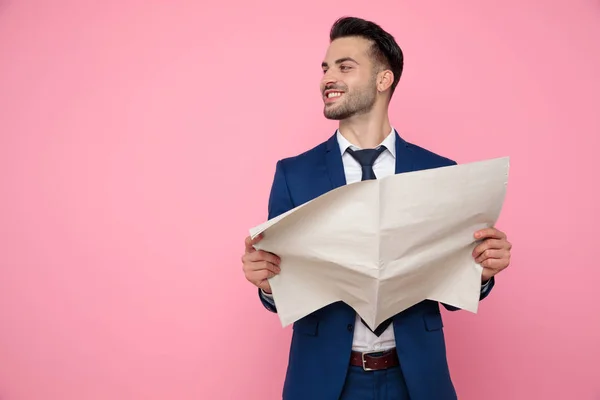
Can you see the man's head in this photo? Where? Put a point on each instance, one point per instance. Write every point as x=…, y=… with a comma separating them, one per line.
x=361, y=68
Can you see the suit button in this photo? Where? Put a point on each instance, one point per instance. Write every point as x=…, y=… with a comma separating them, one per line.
x=350, y=327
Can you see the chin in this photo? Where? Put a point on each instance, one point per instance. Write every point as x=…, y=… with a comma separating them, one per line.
x=333, y=114
x=332, y=117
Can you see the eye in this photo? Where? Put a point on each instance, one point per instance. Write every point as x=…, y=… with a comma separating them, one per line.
x=344, y=67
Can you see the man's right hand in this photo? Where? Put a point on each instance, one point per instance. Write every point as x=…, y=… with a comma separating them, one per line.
x=259, y=265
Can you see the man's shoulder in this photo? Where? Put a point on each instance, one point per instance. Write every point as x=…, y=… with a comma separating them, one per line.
x=307, y=157
x=427, y=158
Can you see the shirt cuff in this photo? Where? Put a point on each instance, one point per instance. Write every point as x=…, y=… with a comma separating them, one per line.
x=268, y=297
x=484, y=286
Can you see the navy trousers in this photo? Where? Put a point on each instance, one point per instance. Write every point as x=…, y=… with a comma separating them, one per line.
x=387, y=384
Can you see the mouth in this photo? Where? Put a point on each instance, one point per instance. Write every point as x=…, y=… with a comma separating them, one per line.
x=330, y=96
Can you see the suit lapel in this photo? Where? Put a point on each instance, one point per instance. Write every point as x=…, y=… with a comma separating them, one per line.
x=404, y=162
x=335, y=167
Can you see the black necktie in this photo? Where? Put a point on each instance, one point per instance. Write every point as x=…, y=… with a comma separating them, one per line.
x=367, y=158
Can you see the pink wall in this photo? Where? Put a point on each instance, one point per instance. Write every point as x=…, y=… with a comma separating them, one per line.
x=127, y=128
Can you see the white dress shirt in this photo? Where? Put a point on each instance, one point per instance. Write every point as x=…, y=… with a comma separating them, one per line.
x=385, y=164
x=364, y=339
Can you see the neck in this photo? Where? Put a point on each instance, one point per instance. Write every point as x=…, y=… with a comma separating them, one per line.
x=366, y=131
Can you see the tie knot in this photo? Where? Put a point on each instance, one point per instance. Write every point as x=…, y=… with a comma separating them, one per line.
x=366, y=157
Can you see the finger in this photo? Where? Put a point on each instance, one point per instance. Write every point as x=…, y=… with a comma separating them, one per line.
x=492, y=233
x=262, y=255
x=490, y=253
x=251, y=267
x=265, y=265
x=493, y=263
x=488, y=244
x=262, y=275
x=249, y=242
x=258, y=278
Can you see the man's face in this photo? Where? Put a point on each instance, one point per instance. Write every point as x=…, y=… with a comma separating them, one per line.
x=349, y=79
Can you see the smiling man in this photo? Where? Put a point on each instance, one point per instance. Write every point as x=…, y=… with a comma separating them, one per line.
x=333, y=355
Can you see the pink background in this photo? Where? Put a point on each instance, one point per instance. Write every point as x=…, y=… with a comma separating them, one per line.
x=137, y=146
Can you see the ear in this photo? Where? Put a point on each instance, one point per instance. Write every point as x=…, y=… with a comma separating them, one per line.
x=384, y=80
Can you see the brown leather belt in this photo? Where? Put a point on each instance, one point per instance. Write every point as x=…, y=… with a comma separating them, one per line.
x=376, y=360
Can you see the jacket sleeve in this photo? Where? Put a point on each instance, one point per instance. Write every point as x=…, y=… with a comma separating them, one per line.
x=280, y=201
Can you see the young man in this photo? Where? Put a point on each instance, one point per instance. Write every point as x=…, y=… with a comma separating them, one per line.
x=333, y=354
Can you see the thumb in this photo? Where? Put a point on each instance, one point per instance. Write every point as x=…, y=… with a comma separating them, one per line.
x=251, y=242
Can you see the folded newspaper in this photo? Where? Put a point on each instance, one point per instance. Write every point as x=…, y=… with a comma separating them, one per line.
x=382, y=246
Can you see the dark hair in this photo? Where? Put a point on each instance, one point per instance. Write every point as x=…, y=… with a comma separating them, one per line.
x=384, y=50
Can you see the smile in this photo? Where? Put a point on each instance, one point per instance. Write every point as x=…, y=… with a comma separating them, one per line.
x=331, y=95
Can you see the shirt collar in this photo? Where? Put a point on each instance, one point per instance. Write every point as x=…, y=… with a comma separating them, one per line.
x=389, y=142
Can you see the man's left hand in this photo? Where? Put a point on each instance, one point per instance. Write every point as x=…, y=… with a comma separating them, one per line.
x=493, y=253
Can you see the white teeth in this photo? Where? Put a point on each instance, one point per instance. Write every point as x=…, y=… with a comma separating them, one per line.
x=333, y=94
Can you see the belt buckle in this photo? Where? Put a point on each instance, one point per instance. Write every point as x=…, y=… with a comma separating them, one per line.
x=364, y=361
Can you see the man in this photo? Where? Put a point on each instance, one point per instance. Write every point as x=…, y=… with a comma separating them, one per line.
x=333, y=355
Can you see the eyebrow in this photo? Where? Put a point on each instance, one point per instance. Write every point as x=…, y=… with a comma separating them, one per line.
x=339, y=61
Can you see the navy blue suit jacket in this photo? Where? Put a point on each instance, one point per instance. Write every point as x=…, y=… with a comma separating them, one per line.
x=322, y=341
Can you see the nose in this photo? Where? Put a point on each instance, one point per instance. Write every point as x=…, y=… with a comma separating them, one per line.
x=328, y=80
